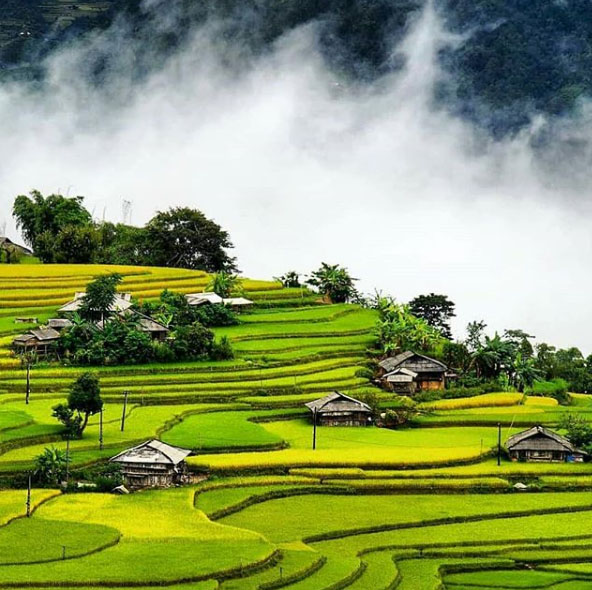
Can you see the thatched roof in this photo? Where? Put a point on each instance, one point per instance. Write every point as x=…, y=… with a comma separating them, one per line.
x=122, y=302
x=4, y=242
x=211, y=297
x=337, y=402
x=23, y=339
x=401, y=375
x=237, y=301
x=45, y=334
x=144, y=323
x=153, y=452
x=147, y=324
x=38, y=336
x=419, y=363
x=539, y=438
x=59, y=323
x=202, y=298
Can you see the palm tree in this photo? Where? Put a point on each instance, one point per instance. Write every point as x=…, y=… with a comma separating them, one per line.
x=50, y=466
x=334, y=283
x=224, y=284
x=525, y=372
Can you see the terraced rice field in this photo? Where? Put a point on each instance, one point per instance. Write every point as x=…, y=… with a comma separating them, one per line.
x=424, y=507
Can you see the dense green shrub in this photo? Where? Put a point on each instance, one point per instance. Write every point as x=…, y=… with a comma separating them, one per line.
x=484, y=387
x=557, y=388
x=174, y=310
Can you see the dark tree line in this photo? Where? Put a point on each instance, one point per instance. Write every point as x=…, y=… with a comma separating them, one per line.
x=60, y=230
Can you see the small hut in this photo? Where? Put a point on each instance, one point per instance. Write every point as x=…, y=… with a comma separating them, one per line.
x=143, y=323
x=409, y=372
x=204, y=298
x=153, y=464
x=41, y=341
x=154, y=329
x=238, y=303
x=338, y=409
x=211, y=298
x=10, y=252
x=59, y=324
x=539, y=444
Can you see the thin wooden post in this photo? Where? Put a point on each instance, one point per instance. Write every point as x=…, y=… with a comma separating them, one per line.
x=28, y=392
x=125, y=394
x=101, y=430
x=67, y=461
x=314, y=429
x=28, y=503
x=499, y=444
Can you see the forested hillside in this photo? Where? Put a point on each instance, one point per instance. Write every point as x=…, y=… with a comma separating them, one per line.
x=513, y=59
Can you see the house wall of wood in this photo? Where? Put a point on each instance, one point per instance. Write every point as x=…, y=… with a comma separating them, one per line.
x=140, y=475
x=420, y=383
x=430, y=383
x=545, y=456
x=343, y=419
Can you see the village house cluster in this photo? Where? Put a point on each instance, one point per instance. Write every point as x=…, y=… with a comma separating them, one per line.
x=42, y=340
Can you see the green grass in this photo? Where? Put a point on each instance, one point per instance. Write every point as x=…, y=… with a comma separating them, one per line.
x=292, y=563
x=37, y=539
x=345, y=512
x=221, y=430
x=162, y=529
x=333, y=571
x=505, y=579
x=12, y=502
x=424, y=574
x=380, y=572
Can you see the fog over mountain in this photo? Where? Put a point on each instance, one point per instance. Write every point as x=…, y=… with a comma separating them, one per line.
x=302, y=162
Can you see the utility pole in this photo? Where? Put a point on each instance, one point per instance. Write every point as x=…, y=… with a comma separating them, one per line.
x=499, y=444
x=101, y=430
x=125, y=394
x=67, y=461
x=28, y=392
x=28, y=503
x=314, y=429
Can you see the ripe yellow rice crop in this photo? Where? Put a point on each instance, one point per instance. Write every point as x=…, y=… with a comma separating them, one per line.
x=353, y=457
x=541, y=401
x=479, y=401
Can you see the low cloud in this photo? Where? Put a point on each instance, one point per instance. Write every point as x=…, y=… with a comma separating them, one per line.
x=302, y=167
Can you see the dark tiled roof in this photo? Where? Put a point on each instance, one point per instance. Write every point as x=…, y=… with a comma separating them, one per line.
x=539, y=438
x=153, y=452
x=337, y=402
x=45, y=334
x=417, y=362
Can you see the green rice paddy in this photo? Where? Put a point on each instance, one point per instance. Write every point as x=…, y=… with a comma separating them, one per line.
x=423, y=507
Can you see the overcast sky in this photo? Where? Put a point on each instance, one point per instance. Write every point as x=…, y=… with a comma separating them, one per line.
x=300, y=169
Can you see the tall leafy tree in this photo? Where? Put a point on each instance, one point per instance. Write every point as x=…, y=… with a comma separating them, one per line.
x=84, y=401
x=85, y=397
x=521, y=342
x=290, y=280
x=38, y=216
x=475, y=335
x=398, y=329
x=334, y=282
x=436, y=310
x=186, y=238
x=100, y=296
